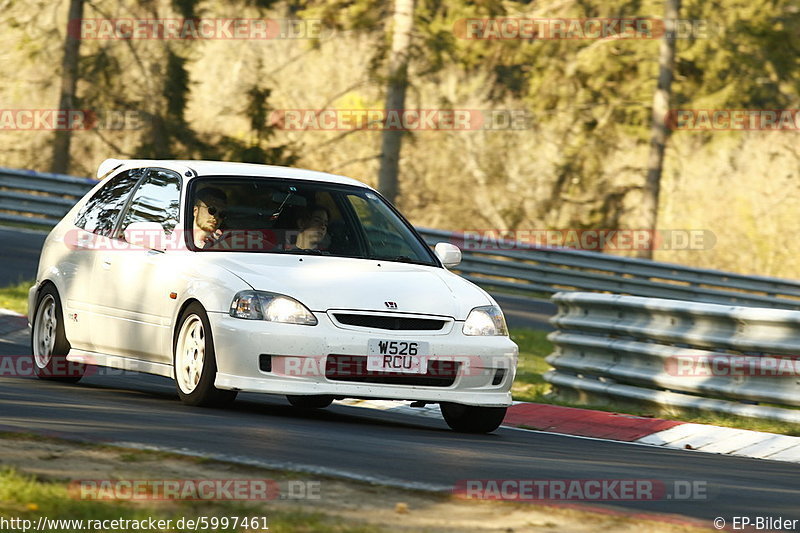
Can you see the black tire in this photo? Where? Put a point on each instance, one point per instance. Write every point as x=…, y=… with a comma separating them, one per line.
x=195, y=384
x=471, y=418
x=49, y=344
x=310, y=402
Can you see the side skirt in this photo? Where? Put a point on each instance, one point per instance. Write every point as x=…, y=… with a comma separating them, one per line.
x=123, y=363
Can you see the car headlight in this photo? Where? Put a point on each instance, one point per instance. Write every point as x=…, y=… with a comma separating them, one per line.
x=261, y=305
x=486, y=320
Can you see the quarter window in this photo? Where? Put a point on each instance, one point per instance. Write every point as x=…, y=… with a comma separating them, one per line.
x=158, y=199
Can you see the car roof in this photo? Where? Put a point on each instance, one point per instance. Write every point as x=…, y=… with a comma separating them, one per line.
x=226, y=168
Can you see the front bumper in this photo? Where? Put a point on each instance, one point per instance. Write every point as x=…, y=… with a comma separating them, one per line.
x=299, y=355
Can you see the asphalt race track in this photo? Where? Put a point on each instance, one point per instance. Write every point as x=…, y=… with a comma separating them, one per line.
x=374, y=445
x=368, y=444
x=19, y=249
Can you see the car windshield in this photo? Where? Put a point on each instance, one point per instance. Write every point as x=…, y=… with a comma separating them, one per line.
x=274, y=215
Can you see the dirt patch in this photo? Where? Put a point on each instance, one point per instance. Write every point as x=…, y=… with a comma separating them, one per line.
x=357, y=503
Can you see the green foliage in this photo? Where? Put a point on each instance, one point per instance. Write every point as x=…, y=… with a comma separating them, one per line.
x=256, y=109
x=360, y=15
x=186, y=8
x=169, y=133
x=15, y=297
x=752, y=59
x=590, y=93
x=257, y=150
x=176, y=87
x=152, y=77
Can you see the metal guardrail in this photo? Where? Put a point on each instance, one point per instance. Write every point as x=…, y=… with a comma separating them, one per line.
x=532, y=270
x=41, y=199
x=677, y=354
x=37, y=198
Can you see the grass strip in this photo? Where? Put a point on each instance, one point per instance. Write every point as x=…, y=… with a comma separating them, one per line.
x=25, y=497
x=15, y=297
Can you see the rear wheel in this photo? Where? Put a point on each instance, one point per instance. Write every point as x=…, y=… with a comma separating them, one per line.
x=49, y=344
x=310, y=402
x=471, y=418
x=195, y=362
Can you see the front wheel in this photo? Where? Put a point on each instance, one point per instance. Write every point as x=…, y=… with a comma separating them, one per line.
x=195, y=362
x=49, y=344
x=471, y=418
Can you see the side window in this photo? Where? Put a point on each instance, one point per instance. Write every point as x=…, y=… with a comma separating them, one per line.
x=100, y=213
x=158, y=199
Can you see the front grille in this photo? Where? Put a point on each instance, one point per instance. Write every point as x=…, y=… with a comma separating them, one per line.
x=390, y=322
x=353, y=368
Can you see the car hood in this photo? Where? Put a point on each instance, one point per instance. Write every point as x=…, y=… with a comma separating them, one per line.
x=323, y=283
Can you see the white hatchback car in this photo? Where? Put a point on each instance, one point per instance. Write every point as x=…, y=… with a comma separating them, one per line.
x=232, y=277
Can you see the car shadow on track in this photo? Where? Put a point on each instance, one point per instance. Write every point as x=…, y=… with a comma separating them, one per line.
x=155, y=392
x=142, y=387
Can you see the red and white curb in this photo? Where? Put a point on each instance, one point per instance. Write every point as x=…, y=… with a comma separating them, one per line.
x=626, y=428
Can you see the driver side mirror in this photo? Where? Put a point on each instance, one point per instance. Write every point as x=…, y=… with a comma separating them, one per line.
x=147, y=235
x=448, y=254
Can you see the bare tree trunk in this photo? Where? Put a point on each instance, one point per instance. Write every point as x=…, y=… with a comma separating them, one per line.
x=69, y=80
x=403, y=22
x=660, y=128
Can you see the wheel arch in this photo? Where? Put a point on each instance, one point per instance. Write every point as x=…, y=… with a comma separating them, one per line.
x=33, y=297
x=176, y=322
x=205, y=394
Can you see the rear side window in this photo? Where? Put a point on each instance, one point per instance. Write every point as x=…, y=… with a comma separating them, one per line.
x=100, y=213
x=158, y=199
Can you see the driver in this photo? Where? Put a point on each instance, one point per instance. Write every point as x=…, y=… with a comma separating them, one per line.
x=209, y=212
x=313, y=226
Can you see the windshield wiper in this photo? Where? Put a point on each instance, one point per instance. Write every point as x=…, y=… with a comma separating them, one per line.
x=401, y=259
